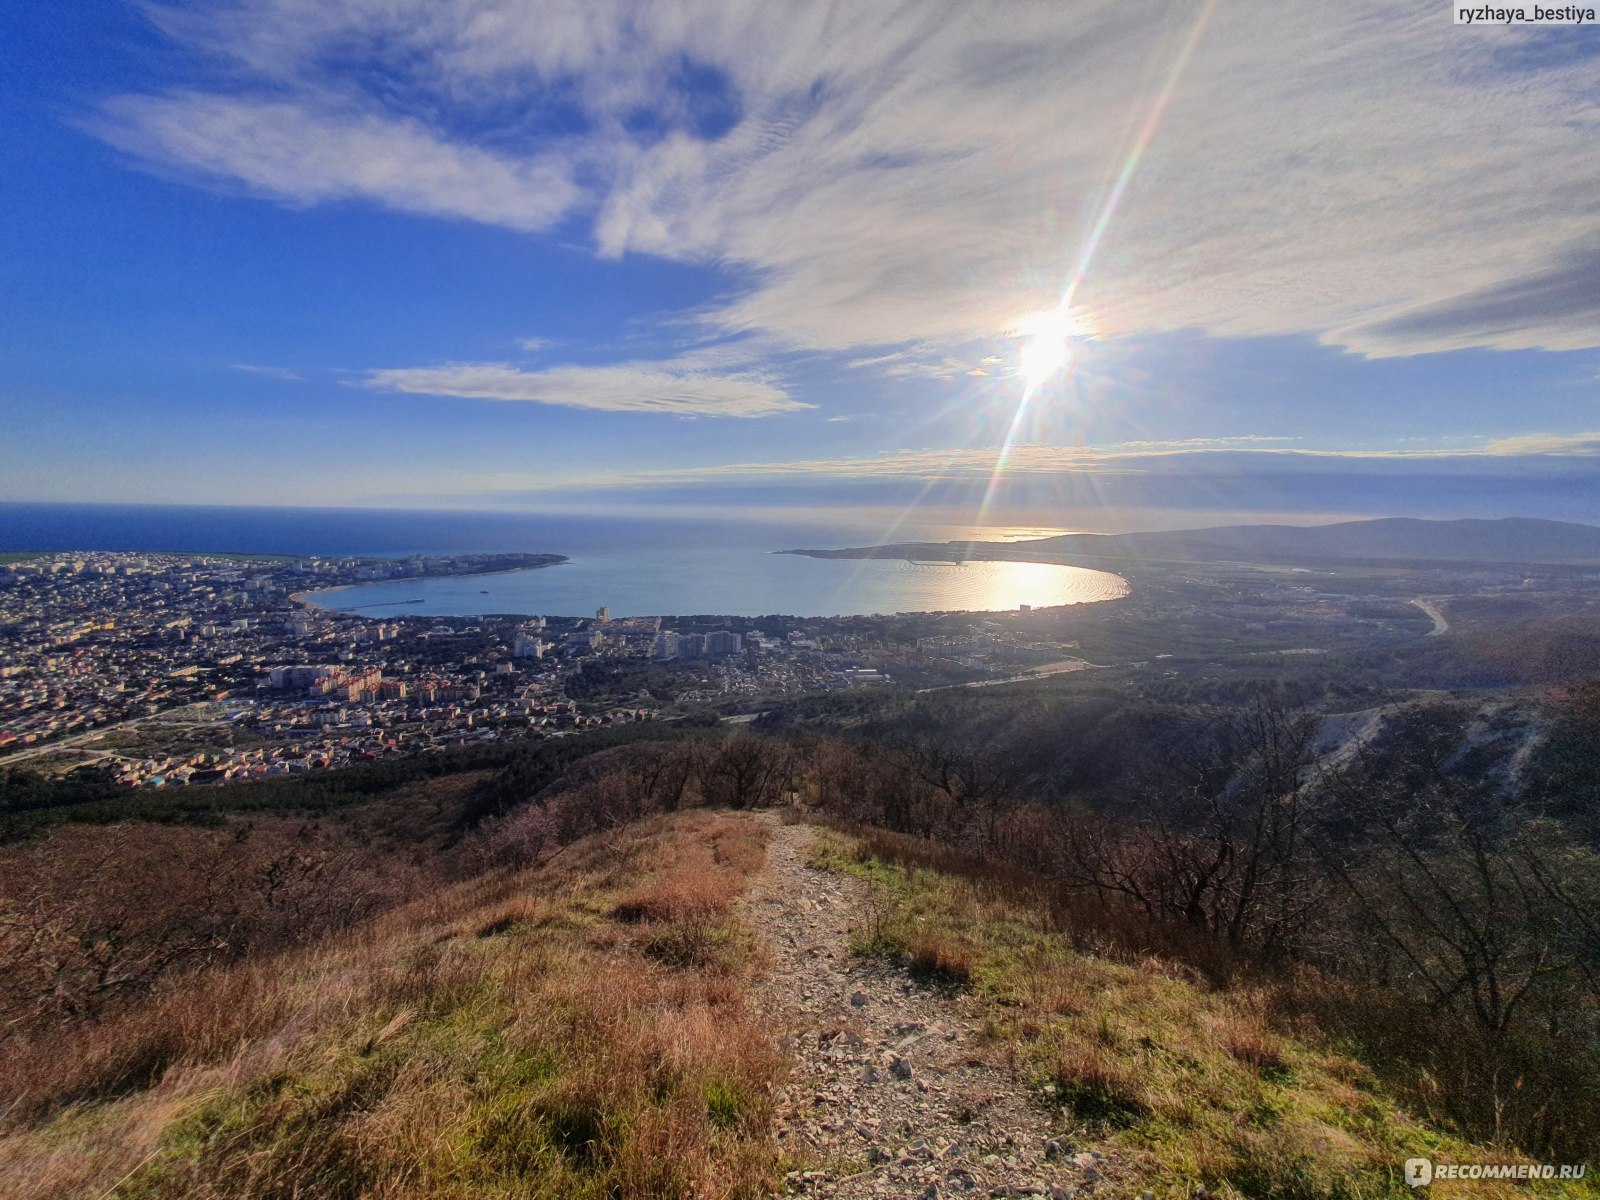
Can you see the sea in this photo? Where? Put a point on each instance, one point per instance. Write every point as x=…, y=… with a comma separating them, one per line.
x=635, y=563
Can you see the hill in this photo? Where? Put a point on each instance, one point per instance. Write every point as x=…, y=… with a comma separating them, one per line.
x=969, y=943
x=1389, y=539
x=613, y=1023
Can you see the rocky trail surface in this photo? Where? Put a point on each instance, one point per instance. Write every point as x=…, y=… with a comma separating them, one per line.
x=892, y=1093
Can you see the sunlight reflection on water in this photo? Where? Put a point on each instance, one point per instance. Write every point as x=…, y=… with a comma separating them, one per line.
x=736, y=582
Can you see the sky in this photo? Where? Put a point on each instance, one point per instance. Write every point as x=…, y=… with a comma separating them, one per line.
x=1092, y=265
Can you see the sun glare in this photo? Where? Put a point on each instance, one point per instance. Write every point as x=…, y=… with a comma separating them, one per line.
x=1045, y=348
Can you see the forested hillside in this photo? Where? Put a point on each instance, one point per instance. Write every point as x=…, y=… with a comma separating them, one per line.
x=380, y=982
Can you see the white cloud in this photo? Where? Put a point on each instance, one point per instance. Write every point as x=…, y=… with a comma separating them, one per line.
x=1120, y=458
x=642, y=387
x=1571, y=445
x=937, y=464
x=925, y=173
x=283, y=374
x=920, y=361
x=304, y=156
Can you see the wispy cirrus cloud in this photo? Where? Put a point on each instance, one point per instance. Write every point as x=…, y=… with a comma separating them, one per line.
x=667, y=388
x=921, y=175
x=1121, y=458
x=923, y=361
x=306, y=151
x=283, y=374
x=937, y=464
x=1570, y=445
x=1557, y=305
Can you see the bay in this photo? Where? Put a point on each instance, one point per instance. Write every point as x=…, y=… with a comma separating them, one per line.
x=634, y=562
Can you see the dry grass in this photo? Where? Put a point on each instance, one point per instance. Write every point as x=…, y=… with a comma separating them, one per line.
x=1254, y=1046
x=941, y=961
x=1197, y=1086
x=505, y=1037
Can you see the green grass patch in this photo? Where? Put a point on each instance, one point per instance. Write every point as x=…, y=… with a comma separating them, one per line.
x=516, y=1043
x=1193, y=1085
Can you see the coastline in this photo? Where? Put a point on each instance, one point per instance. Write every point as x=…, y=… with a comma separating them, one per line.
x=740, y=584
x=304, y=600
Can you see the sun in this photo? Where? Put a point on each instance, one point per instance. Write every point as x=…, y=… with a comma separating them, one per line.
x=1046, y=349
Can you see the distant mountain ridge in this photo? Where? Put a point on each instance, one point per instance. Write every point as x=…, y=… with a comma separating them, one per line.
x=1510, y=539
x=1387, y=539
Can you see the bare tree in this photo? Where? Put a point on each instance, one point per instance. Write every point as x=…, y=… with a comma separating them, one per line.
x=746, y=771
x=973, y=787
x=1216, y=839
x=1486, y=911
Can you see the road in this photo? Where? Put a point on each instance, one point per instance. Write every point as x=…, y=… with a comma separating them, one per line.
x=91, y=735
x=66, y=743
x=1440, y=625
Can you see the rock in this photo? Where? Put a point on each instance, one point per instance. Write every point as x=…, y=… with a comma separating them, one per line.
x=858, y=999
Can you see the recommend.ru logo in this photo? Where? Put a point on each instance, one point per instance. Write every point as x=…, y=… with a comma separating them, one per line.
x=1420, y=1172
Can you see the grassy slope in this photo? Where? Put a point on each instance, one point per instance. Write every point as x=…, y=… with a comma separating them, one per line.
x=1194, y=1085
x=576, y=1030
x=582, y=1030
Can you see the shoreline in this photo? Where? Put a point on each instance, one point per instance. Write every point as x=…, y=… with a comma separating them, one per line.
x=1116, y=587
x=303, y=599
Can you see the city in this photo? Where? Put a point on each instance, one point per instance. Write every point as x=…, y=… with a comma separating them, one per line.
x=161, y=670
x=172, y=670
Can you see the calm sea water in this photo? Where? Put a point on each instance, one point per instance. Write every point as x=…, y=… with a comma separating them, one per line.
x=633, y=564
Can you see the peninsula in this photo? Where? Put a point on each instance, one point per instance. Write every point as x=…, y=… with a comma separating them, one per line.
x=1512, y=540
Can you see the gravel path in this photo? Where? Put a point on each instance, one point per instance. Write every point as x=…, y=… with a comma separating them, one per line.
x=892, y=1093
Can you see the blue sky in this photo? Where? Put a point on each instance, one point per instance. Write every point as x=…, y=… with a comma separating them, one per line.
x=486, y=253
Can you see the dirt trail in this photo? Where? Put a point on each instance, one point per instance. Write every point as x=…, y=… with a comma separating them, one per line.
x=892, y=1093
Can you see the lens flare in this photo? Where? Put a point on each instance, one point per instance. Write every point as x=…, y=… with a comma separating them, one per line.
x=1041, y=357
x=1045, y=348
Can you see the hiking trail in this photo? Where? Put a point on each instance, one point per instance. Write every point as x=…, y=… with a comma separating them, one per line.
x=893, y=1092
